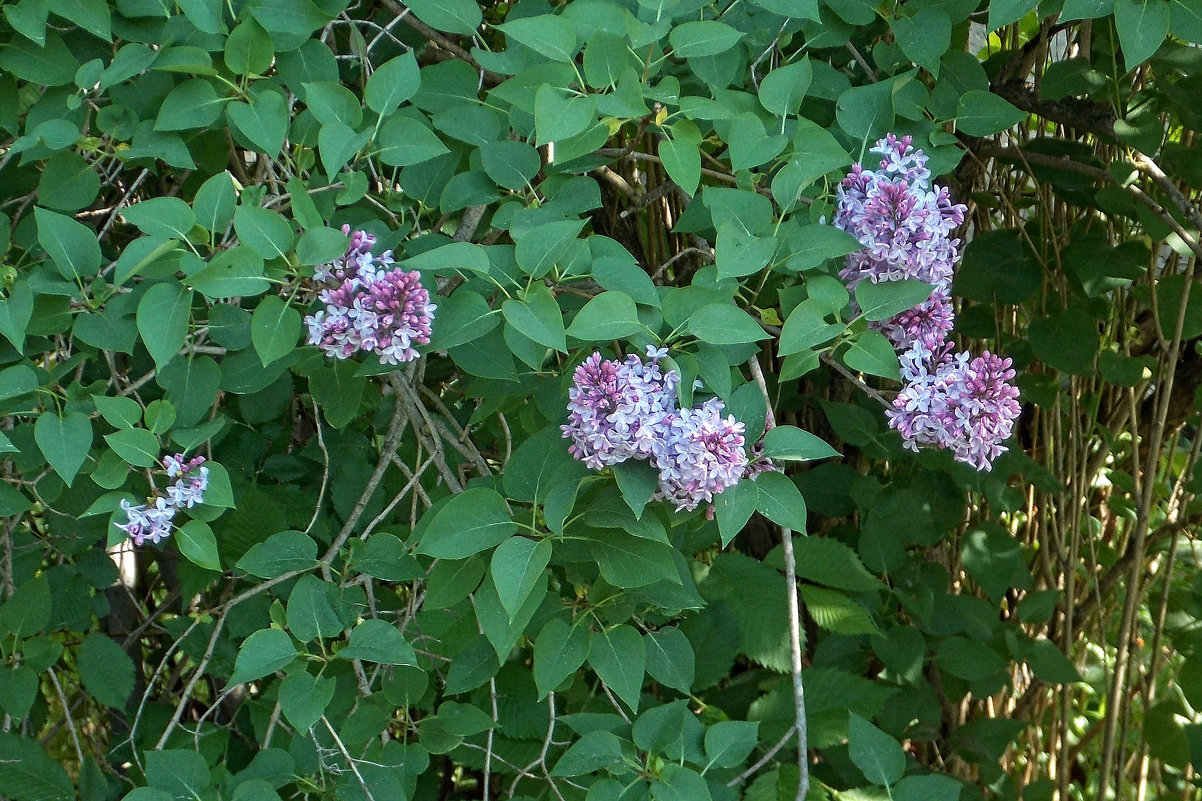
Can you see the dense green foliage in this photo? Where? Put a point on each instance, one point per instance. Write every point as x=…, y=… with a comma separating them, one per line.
x=401, y=585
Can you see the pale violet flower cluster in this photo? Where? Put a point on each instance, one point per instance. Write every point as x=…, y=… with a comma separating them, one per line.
x=152, y=521
x=375, y=307
x=628, y=410
x=951, y=400
x=905, y=225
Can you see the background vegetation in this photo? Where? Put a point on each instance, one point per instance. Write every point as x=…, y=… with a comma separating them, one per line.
x=401, y=586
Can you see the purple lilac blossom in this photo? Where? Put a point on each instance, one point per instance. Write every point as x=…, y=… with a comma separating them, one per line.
x=703, y=455
x=905, y=226
x=628, y=410
x=151, y=521
x=617, y=410
x=957, y=402
x=375, y=308
x=147, y=522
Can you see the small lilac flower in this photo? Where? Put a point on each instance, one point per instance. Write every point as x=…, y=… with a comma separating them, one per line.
x=189, y=490
x=147, y=522
x=704, y=455
x=375, y=308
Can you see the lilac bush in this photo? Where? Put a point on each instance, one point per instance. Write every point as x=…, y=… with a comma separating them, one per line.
x=374, y=308
x=950, y=400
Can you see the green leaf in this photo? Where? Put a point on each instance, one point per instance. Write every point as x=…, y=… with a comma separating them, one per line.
x=733, y=508
x=232, y=273
x=15, y=313
x=275, y=328
x=136, y=446
x=682, y=161
x=637, y=481
x=982, y=113
x=872, y=353
x=510, y=164
x=119, y=412
x=702, y=38
x=64, y=441
x=452, y=16
x=405, y=141
x=192, y=104
x=559, y=651
x=783, y=89
x=473, y=521
x=29, y=773
x=261, y=654
x=163, y=316
x=1067, y=340
x=542, y=247
x=18, y=689
x=739, y=253
x=304, y=697
x=609, y=315
x=924, y=37
x=866, y=112
x=629, y=562
x=670, y=659
x=51, y=64
x=106, y=670
x=780, y=501
x=182, y=772
x=392, y=83
x=729, y=742
x=592, y=752
x=835, y=612
x=337, y=390
x=27, y=610
x=1004, y=12
x=725, y=324
x=552, y=36
x=28, y=18
x=167, y=217
x=215, y=201
x=338, y=144
x=248, y=49
x=379, y=641
x=264, y=230
x=619, y=657
x=198, y=545
x=827, y=561
x=537, y=317
x=927, y=788
x=819, y=243
x=311, y=612
x=559, y=114
x=282, y=552
x=793, y=444
x=73, y=246
x=1049, y=664
x=264, y=121
x=463, y=317
x=68, y=182
x=878, y=756
x=516, y=566
x=330, y=101
x=883, y=300
x=1142, y=26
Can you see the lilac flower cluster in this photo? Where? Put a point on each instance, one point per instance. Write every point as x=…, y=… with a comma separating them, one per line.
x=151, y=521
x=951, y=400
x=624, y=410
x=374, y=308
x=905, y=226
